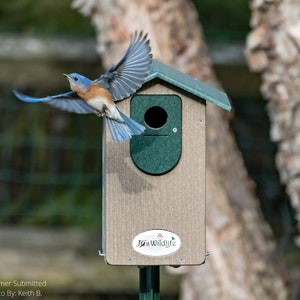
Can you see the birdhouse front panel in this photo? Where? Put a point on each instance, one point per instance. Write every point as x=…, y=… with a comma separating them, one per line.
x=154, y=185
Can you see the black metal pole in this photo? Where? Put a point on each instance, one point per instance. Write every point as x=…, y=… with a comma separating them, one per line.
x=149, y=283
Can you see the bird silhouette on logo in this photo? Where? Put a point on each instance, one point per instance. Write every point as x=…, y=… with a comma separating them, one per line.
x=98, y=96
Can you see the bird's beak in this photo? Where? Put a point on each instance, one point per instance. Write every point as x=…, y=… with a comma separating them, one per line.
x=68, y=77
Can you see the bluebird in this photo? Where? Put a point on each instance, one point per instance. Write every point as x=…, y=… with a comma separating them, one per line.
x=98, y=96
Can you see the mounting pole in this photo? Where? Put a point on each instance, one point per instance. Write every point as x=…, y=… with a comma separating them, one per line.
x=149, y=283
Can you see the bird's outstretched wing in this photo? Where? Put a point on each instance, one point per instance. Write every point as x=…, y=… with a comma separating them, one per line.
x=128, y=75
x=67, y=101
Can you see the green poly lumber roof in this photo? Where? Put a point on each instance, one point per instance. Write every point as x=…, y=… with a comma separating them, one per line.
x=189, y=84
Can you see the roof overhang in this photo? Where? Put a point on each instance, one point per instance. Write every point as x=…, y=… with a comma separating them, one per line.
x=189, y=84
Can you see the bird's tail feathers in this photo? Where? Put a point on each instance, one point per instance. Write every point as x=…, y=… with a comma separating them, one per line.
x=119, y=131
x=123, y=131
x=135, y=127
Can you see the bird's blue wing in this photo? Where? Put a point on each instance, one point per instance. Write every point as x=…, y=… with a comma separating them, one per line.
x=128, y=75
x=67, y=101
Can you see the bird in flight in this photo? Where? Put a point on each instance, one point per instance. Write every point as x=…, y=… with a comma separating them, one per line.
x=99, y=96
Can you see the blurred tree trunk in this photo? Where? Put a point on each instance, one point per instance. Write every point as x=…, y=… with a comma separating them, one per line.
x=273, y=48
x=240, y=265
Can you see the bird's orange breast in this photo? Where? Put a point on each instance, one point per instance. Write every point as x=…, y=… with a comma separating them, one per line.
x=95, y=91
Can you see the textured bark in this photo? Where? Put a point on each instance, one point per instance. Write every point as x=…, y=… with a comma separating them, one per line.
x=240, y=265
x=273, y=48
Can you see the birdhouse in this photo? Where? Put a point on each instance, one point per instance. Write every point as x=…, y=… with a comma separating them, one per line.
x=154, y=185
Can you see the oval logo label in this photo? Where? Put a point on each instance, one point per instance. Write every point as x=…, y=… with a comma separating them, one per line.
x=156, y=243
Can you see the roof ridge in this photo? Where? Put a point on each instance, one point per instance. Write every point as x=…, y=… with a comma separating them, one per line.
x=188, y=84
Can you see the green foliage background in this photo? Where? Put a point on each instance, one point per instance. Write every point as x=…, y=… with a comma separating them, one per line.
x=225, y=19
x=43, y=17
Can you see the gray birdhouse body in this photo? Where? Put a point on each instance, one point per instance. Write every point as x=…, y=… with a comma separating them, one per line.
x=154, y=185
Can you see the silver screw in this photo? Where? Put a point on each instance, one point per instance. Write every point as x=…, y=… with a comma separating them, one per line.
x=174, y=129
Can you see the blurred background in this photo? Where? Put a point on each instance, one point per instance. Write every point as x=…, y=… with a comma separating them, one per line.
x=50, y=161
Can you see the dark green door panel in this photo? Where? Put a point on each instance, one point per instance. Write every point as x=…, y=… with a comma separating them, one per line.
x=158, y=149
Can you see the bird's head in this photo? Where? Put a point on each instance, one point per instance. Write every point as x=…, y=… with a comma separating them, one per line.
x=78, y=83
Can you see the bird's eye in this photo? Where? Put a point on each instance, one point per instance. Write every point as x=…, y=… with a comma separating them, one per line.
x=75, y=78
